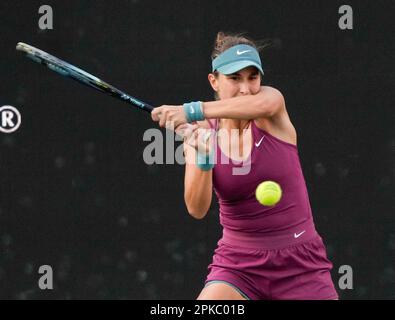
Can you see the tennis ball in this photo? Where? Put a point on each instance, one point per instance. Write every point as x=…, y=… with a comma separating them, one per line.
x=268, y=193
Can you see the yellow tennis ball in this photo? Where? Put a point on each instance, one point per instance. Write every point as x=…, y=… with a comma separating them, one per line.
x=268, y=193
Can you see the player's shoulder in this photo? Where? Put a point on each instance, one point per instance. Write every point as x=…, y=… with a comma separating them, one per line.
x=276, y=99
x=272, y=91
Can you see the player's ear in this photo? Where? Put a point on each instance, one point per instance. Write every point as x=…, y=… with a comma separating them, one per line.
x=213, y=81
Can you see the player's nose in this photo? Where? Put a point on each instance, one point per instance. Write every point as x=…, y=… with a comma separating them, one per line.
x=244, y=88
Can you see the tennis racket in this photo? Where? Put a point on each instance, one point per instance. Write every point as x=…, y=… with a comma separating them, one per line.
x=68, y=70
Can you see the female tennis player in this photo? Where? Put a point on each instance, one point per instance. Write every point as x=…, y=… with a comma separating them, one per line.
x=265, y=252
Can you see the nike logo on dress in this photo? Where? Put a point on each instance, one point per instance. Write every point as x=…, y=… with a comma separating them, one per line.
x=257, y=144
x=241, y=52
x=297, y=235
x=192, y=110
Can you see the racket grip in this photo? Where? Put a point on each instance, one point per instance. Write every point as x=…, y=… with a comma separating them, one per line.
x=142, y=105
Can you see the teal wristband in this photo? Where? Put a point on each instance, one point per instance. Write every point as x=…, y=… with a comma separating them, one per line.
x=205, y=161
x=194, y=111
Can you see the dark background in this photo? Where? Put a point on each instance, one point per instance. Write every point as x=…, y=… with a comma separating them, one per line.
x=77, y=195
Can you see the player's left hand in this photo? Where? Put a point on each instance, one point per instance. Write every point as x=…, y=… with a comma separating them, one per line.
x=169, y=117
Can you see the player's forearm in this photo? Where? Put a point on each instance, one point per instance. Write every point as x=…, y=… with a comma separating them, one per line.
x=198, y=191
x=261, y=105
x=198, y=185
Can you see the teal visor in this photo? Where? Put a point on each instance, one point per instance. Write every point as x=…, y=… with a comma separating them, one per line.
x=236, y=58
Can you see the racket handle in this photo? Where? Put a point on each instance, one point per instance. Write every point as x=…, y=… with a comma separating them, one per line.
x=142, y=105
